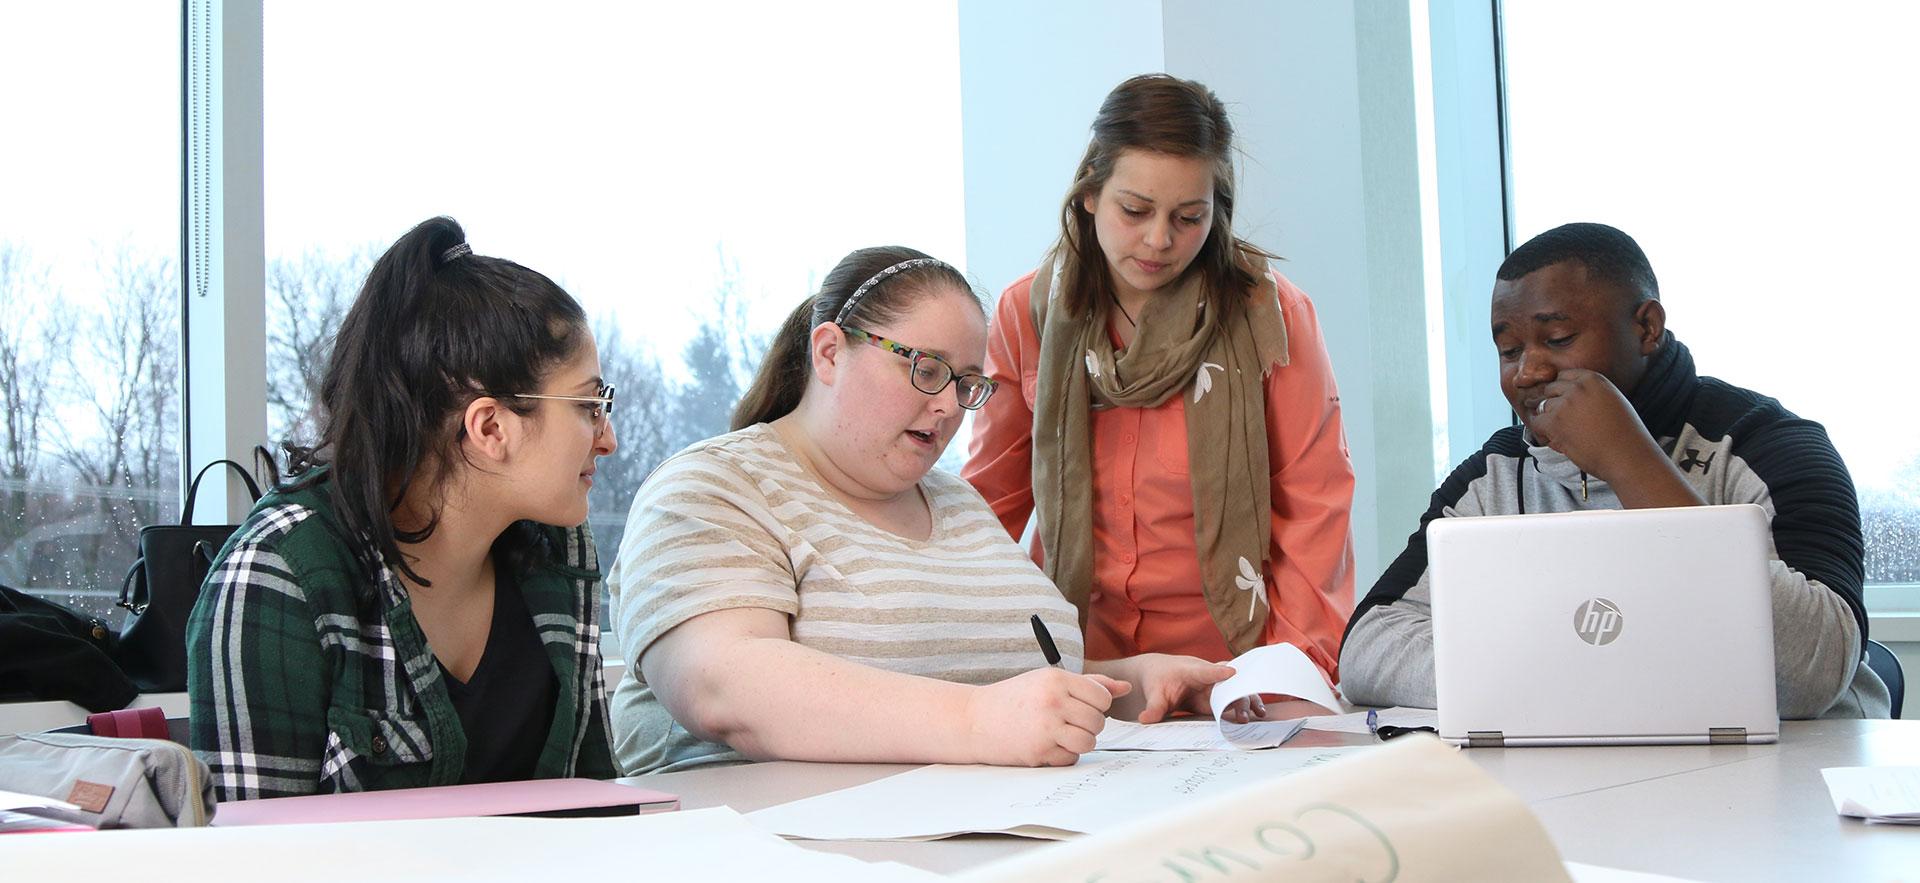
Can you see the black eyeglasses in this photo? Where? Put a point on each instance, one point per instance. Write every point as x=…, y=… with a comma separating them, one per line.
x=931, y=374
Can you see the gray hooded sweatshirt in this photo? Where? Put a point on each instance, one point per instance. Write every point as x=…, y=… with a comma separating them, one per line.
x=1733, y=446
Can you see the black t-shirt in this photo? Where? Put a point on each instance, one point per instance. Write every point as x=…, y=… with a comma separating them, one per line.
x=506, y=707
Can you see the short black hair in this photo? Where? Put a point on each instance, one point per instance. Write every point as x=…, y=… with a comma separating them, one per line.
x=1606, y=252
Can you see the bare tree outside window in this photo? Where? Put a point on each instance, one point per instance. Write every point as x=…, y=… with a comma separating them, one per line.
x=33, y=336
x=89, y=447
x=307, y=296
x=31, y=332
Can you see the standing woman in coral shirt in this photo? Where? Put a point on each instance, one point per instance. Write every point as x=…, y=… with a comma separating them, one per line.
x=1177, y=427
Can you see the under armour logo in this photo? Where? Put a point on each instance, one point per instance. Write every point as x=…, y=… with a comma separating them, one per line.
x=1693, y=459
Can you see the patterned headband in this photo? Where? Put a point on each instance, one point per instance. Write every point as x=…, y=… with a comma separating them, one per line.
x=847, y=308
x=457, y=251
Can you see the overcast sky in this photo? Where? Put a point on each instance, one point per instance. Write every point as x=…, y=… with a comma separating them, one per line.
x=1771, y=177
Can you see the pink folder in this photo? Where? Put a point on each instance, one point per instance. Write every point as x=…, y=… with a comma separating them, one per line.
x=540, y=796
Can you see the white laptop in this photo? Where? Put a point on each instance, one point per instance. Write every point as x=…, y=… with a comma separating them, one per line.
x=1636, y=626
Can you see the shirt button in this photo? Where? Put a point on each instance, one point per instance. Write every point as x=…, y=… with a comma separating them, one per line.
x=379, y=745
x=1128, y=438
x=1127, y=557
x=1124, y=499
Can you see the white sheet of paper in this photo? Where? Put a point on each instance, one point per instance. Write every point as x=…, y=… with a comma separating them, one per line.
x=1275, y=668
x=704, y=844
x=1596, y=874
x=1411, y=810
x=1103, y=790
x=1193, y=735
x=1875, y=793
x=17, y=800
x=1356, y=722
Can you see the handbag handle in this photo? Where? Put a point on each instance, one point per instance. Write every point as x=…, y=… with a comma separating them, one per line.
x=193, y=490
x=126, y=590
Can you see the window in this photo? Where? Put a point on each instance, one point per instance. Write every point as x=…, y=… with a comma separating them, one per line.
x=688, y=172
x=89, y=292
x=1765, y=160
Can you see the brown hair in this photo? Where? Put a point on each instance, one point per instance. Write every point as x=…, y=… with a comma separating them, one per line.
x=1160, y=114
x=783, y=374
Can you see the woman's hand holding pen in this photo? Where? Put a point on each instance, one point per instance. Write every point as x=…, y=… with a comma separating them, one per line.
x=1045, y=717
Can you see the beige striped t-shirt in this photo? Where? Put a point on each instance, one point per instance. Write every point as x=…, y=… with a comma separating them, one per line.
x=736, y=521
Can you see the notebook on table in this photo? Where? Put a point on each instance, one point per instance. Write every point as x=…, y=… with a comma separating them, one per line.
x=1637, y=626
x=553, y=797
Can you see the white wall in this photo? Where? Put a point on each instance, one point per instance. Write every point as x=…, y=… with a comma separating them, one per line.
x=1031, y=77
x=1322, y=98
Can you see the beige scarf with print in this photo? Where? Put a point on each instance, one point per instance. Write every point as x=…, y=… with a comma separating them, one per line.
x=1179, y=349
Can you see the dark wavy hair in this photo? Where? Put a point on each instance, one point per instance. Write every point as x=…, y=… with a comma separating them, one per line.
x=783, y=374
x=1157, y=113
x=433, y=328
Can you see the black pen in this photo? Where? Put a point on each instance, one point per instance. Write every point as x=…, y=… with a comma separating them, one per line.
x=1047, y=649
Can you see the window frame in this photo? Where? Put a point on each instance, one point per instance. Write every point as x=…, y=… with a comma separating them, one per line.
x=222, y=247
x=223, y=259
x=1893, y=609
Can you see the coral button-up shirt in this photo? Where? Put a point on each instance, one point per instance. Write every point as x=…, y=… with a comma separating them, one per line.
x=1146, y=595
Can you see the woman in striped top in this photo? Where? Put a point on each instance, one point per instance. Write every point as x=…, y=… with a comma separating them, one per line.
x=809, y=587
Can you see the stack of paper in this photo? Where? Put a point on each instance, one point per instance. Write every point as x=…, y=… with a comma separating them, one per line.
x=23, y=813
x=1411, y=810
x=1193, y=735
x=1275, y=669
x=17, y=800
x=1884, y=794
x=1101, y=791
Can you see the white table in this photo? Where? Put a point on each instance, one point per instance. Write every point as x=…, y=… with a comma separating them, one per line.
x=1766, y=816
x=1734, y=812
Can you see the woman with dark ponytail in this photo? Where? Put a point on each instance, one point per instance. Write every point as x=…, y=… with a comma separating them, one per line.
x=417, y=604
x=810, y=587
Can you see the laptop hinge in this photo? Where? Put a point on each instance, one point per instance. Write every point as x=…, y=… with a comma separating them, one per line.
x=1489, y=738
x=1727, y=735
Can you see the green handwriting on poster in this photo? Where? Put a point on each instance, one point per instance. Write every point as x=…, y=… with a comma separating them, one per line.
x=1318, y=841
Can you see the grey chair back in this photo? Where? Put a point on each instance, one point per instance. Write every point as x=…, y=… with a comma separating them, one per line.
x=1887, y=666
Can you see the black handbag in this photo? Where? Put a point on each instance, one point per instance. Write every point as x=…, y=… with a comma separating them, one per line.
x=161, y=586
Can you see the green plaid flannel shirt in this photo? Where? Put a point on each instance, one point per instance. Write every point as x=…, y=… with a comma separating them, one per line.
x=303, y=682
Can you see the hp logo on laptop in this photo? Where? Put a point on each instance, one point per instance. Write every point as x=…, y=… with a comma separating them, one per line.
x=1597, y=621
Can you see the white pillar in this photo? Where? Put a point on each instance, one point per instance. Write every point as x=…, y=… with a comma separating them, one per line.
x=1322, y=96
x=1031, y=77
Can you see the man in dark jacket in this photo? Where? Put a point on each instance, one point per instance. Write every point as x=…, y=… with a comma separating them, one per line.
x=1613, y=416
